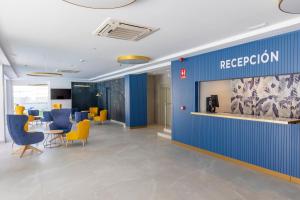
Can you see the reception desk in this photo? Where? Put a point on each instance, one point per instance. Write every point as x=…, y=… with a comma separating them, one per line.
x=250, y=118
x=270, y=145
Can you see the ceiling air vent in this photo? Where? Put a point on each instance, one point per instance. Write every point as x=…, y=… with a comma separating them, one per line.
x=123, y=30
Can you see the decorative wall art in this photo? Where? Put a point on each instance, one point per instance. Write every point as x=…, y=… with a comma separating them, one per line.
x=277, y=96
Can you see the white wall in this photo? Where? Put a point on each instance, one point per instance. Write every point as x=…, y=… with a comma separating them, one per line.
x=2, y=108
x=220, y=88
x=61, y=84
x=9, y=106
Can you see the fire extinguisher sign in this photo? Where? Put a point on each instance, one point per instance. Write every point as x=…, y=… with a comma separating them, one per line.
x=182, y=73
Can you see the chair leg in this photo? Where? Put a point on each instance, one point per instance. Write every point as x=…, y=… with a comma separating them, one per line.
x=17, y=151
x=83, y=143
x=34, y=149
x=67, y=142
x=24, y=148
x=62, y=139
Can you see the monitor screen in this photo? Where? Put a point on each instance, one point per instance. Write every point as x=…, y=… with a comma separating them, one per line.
x=60, y=93
x=215, y=100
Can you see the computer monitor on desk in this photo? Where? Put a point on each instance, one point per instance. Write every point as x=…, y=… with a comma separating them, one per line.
x=211, y=103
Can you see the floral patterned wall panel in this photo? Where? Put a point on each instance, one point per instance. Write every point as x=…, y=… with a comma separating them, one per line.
x=277, y=96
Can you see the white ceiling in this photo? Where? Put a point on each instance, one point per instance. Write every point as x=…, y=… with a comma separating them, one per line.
x=52, y=34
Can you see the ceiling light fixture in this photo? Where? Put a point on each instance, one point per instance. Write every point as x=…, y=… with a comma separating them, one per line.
x=82, y=86
x=44, y=74
x=103, y=4
x=290, y=6
x=258, y=26
x=133, y=59
x=67, y=71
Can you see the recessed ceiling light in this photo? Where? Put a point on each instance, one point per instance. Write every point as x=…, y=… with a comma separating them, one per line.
x=82, y=60
x=133, y=59
x=67, y=71
x=103, y=4
x=82, y=86
x=44, y=74
x=290, y=6
x=258, y=26
x=38, y=84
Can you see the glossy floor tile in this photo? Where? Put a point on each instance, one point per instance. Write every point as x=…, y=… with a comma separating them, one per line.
x=121, y=164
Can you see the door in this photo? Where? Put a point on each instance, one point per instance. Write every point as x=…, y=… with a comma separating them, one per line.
x=165, y=114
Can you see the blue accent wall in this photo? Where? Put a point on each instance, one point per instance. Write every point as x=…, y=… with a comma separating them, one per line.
x=136, y=100
x=272, y=146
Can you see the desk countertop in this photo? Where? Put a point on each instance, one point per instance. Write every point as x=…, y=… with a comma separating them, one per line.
x=250, y=117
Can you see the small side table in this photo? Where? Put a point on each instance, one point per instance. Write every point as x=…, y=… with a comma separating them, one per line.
x=54, y=135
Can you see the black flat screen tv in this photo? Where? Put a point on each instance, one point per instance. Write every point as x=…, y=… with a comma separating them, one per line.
x=60, y=93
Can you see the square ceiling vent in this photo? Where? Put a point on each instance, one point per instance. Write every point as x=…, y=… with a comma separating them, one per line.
x=123, y=30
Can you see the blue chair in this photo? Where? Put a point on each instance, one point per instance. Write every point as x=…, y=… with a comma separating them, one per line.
x=47, y=117
x=80, y=116
x=74, y=110
x=34, y=112
x=84, y=115
x=61, y=120
x=19, y=136
x=77, y=117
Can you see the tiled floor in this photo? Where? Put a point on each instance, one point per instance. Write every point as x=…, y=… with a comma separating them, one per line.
x=134, y=164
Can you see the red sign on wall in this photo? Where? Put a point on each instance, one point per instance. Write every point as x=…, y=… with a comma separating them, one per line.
x=182, y=73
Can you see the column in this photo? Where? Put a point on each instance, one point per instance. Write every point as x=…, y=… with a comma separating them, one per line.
x=2, y=108
x=136, y=100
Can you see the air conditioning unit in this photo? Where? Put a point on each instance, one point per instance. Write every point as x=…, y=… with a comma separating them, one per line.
x=123, y=30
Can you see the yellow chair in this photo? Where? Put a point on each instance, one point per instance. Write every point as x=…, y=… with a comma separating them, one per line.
x=102, y=118
x=30, y=119
x=57, y=106
x=82, y=132
x=93, y=111
x=19, y=110
x=26, y=126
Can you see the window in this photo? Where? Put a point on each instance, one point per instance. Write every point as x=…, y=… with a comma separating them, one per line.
x=32, y=97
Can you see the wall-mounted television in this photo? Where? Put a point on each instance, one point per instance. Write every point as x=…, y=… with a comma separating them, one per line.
x=61, y=94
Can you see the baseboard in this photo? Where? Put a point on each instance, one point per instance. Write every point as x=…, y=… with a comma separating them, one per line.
x=164, y=135
x=166, y=130
x=118, y=122
x=241, y=163
x=137, y=127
